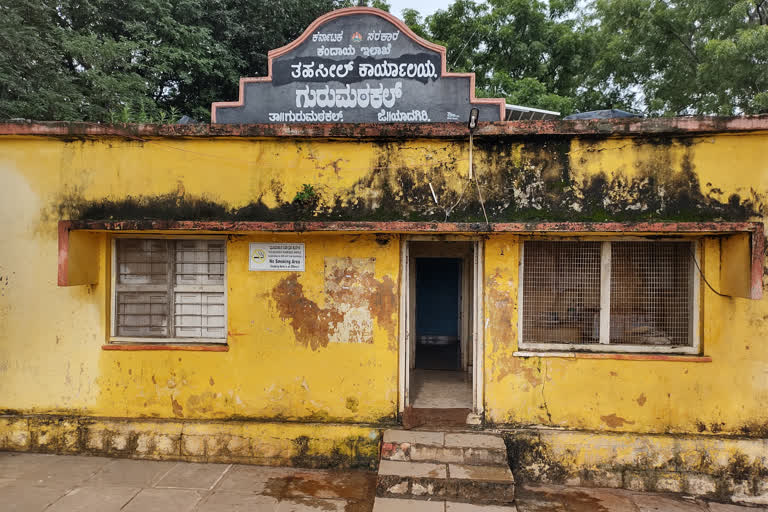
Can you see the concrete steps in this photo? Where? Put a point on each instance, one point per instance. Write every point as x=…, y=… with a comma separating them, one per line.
x=454, y=471
x=443, y=447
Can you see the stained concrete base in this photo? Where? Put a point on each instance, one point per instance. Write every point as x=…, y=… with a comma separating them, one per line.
x=62, y=483
x=560, y=498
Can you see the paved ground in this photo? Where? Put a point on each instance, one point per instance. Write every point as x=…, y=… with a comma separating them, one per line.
x=558, y=498
x=59, y=483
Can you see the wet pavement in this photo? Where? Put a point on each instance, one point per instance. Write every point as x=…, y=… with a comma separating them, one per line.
x=63, y=483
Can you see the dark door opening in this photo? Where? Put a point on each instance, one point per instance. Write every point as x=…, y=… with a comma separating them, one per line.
x=438, y=306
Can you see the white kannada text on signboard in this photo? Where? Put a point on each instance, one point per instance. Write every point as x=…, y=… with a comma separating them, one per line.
x=276, y=257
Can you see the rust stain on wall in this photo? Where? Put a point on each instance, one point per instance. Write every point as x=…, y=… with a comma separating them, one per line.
x=354, y=298
x=614, y=421
x=641, y=399
x=311, y=323
x=382, y=300
x=532, y=376
x=177, y=408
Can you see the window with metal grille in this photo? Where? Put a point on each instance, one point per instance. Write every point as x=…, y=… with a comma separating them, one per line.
x=169, y=289
x=617, y=295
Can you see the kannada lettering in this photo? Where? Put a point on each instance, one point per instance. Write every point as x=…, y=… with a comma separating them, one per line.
x=386, y=69
x=419, y=67
x=374, y=51
x=343, y=51
x=308, y=70
x=349, y=97
x=325, y=116
x=333, y=37
x=383, y=36
x=356, y=66
x=398, y=116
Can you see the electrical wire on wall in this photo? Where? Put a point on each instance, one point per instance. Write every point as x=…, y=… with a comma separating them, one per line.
x=704, y=278
x=472, y=124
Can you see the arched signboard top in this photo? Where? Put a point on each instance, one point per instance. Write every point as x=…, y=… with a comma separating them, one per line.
x=357, y=65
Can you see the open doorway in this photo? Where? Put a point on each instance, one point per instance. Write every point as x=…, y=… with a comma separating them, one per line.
x=438, y=314
x=439, y=340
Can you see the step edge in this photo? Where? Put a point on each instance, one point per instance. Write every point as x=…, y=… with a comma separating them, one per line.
x=511, y=505
x=401, y=478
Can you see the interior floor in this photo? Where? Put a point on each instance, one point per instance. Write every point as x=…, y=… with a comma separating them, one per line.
x=440, y=389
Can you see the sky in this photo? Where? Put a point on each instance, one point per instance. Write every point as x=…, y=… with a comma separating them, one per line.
x=425, y=7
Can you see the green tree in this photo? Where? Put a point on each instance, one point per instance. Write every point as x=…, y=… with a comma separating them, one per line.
x=100, y=60
x=151, y=60
x=530, y=52
x=34, y=82
x=686, y=56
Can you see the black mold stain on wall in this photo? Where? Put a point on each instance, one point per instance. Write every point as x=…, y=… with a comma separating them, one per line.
x=539, y=185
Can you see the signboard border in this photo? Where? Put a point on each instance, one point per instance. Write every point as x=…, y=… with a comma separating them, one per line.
x=303, y=257
x=346, y=12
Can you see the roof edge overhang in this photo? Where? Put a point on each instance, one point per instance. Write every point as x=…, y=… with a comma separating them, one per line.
x=587, y=127
x=747, y=239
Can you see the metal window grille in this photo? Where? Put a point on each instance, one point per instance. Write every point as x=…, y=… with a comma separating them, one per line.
x=650, y=298
x=170, y=288
x=561, y=292
x=645, y=289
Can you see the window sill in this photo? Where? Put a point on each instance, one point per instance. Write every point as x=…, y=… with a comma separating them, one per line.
x=681, y=358
x=198, y=347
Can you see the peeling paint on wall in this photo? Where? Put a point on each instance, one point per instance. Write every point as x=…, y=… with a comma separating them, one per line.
x=281, y=325
x=354, y=297
x=345, y=286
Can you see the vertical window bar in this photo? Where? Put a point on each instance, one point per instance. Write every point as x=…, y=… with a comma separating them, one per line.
x=605, y=292
x=694, y=291
x=171, y=250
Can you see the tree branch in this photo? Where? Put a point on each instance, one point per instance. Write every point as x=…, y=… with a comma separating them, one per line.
x=671, y=30
x=758, y=12
x=687, y=46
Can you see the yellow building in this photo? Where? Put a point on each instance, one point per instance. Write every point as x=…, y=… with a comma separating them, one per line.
x=281, y=293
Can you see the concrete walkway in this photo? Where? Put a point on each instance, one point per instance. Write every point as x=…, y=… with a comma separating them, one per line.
x=61, y=483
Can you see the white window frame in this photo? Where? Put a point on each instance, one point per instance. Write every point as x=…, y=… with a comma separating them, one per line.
x=604, y=344
x=113, y=338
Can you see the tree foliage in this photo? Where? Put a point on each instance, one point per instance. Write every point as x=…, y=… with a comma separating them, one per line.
x=100, y=60
x=531, y=52
x=153, y=60
x=686, y=56
x=662, y=57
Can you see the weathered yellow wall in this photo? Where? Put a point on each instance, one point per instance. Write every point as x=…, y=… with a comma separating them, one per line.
x=50, y=337
x=273, y=370
x=728, y=395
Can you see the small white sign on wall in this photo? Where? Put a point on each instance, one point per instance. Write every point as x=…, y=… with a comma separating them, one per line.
x=276, y=257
